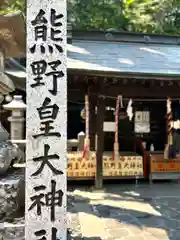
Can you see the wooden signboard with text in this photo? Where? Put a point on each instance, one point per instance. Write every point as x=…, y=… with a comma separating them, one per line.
x=167, y=169
x=126, y=166
x=165, y=166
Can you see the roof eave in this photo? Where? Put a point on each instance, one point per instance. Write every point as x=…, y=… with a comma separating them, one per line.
x=154, y=76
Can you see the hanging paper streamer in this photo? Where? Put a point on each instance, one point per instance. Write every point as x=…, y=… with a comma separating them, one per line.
x=130, y=110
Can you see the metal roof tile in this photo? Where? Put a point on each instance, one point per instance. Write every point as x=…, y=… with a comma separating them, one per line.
x=124, y=57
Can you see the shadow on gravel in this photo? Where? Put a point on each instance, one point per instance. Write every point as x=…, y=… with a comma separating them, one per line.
x=162, y=219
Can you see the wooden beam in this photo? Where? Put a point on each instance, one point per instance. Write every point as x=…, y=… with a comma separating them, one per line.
x=100, y=142
x=122, y=75
x=142, y=91
x=129, y=90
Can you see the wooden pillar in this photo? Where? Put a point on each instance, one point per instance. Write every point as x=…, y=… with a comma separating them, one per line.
x=92, y=121
x=90, y=132
x=100, y=142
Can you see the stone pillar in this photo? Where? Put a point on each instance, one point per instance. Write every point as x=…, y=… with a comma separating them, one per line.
x=17, y=106
x=81, y=138
x=46, y=125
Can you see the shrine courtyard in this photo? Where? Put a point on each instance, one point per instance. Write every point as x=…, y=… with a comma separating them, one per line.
x=126, y=212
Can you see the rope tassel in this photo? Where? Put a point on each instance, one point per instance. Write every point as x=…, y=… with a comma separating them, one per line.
x=169, y=120
x=116, y=142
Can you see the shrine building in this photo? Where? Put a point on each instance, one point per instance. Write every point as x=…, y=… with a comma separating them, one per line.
x=123, y=104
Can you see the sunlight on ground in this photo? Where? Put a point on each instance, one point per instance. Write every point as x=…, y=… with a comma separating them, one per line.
x=126, y=213
x=129, y=205
x=132, y=193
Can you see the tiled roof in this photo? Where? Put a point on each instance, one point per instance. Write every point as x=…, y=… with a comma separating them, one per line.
x=114, y=57
x=122, y=57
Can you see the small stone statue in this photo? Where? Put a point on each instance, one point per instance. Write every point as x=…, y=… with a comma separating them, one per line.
x=8, y=154
x=12, y=182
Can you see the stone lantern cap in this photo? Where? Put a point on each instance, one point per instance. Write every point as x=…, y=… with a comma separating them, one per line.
x=16, y=104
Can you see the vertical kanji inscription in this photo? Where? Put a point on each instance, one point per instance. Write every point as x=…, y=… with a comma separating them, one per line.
x=46, y=120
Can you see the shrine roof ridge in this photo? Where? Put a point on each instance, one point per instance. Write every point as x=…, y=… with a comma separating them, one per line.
x=123, y=36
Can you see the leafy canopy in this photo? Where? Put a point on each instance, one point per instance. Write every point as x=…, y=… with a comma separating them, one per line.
x=152, y=16
x=12, y=6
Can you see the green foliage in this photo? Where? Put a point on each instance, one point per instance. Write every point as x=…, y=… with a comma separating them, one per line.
x=93, y=14
x=12, y=6
x=152, y=16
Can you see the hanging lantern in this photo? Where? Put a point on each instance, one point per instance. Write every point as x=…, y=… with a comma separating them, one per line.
x=83, y=114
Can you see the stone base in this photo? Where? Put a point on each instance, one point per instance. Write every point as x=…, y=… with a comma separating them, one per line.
x=12, y=193
x=13, y=231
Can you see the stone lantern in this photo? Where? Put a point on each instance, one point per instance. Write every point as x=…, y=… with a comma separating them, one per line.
x=17, y=106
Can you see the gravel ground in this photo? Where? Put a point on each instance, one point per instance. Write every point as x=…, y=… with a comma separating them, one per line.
x=74, y=230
